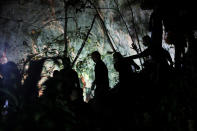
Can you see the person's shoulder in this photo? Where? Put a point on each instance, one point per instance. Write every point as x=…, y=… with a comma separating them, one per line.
x=103, y=64
x=73, y=71
x=100, y=62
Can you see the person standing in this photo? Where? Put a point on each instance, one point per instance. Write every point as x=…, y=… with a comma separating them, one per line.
x=101, y=75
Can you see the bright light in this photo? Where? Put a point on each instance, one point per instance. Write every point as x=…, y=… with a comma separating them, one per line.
x=3, y=59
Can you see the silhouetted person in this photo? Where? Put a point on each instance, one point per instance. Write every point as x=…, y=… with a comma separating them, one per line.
x=11, y=75
x=10, y=82
x=71, y=85
x=191, y=56
x=159, y=58
x=175, y=28
x=126, y=89
x=100, y=92
x=52, y=85
x=30, y=86
x=126, y=74
x=155, y=26
x=101, y=75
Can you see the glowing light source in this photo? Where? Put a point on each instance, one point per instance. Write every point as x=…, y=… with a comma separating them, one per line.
x=3, y=59
x=1, y=77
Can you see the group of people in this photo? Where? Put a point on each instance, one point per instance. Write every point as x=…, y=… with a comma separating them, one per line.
x=157, y=64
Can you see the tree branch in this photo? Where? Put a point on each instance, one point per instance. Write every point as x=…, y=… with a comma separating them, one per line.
x=65, y=29
x=103, y=24
x=133, y=22
x=125, y=23
x=134, y=25
x=84, y=42
x=20, y=20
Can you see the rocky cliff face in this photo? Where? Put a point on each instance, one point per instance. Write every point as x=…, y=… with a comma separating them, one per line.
x=36, y=27
x=25, y=28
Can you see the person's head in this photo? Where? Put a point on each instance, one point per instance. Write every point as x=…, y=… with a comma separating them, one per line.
x=117, y=56
x=146, y=40
x=96, y=56
x=170, y=37
x=56, y=73
x=66, y=62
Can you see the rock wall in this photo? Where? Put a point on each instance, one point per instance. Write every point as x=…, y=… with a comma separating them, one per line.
x=36, y=27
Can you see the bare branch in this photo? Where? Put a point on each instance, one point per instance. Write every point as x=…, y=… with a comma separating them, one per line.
x=84, y=42
x=125, y=23
x=103, y=25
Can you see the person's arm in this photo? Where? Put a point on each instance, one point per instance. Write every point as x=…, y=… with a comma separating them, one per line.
x=142, y=54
